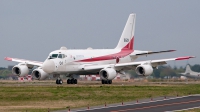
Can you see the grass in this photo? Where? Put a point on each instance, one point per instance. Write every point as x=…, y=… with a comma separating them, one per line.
x=191, y=110
x=34, y=98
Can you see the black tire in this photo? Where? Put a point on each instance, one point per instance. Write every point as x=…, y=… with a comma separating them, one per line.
x=102, y=82
x=75, y=81
x=109, y=81
x=68, y=81
x=72, y=81
x=106, y=81
x=60, y=81
x=57, y=81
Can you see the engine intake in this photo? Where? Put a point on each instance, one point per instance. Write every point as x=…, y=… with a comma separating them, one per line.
x=108, y=74
x=39, y=74
x=20, y=70
x=144, y=70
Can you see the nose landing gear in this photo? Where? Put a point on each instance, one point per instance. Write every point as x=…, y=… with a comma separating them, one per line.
x=59, y=81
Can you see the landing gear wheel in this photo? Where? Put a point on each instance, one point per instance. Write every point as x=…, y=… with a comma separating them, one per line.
x=72, y=81
x=102, y=81
x=75, y=81
x=109, y=81
x=106, y=81
x=68, y=81
x=59, y=81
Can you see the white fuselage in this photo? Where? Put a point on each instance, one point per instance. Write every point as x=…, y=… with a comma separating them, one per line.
x=73, y=60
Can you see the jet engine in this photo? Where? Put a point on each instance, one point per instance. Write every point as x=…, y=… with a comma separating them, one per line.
x=39, y=74
x=20, y=70
x=144, y=70
x=108, y=73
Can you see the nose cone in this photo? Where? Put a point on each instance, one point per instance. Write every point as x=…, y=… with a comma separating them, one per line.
x=48, y=66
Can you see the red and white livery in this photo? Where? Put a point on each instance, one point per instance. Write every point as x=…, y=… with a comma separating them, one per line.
x=108, y=63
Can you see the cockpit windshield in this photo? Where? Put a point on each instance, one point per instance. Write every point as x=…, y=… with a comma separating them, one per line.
x=60, y=56
x=52, y=56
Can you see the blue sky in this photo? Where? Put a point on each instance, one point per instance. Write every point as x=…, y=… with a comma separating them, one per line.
x=32, y=29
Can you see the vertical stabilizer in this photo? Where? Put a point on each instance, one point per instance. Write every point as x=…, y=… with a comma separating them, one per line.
x=188, y=70
x=127, y=38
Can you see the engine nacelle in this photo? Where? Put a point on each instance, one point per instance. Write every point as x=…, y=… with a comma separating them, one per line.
x=20, y=70
x=144, y=70
x=108, y=73
x=39, y=74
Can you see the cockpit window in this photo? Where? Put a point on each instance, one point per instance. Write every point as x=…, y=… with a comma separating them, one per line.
x=63, y=55
x=54, y=55
x=60, y=56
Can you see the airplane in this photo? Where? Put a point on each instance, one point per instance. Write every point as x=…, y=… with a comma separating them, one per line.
x=190, y=74
x=105, y=62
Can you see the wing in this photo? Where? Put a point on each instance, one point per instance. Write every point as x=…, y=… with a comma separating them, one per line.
x=28, y=62
x=155, y=52
x=132, y=65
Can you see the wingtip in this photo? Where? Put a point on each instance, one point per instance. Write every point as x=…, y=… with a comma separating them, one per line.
x=172, y=50
x=192, y=56
x=184, y=58
x=8, y=58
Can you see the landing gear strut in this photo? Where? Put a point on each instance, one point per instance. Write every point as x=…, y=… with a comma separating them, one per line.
x=72, y=81
x=106, y=81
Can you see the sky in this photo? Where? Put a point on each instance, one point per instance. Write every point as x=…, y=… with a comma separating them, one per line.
x=31, y=29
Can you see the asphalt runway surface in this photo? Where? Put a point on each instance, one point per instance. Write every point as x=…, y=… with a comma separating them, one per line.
x=164, y=105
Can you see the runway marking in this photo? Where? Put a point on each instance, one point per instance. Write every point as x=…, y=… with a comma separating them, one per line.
x=156, y=106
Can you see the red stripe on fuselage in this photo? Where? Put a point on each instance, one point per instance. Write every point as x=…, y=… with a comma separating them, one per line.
x=126, y=50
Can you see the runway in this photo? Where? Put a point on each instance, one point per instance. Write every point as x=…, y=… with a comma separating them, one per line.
x=171, y=104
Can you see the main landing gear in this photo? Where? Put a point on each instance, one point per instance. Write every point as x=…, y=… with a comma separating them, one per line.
x=106, y=81
x=72, y=81
x=69, y=81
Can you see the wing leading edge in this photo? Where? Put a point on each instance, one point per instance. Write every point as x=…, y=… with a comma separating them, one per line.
x=28, y=62
x=152, y=52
